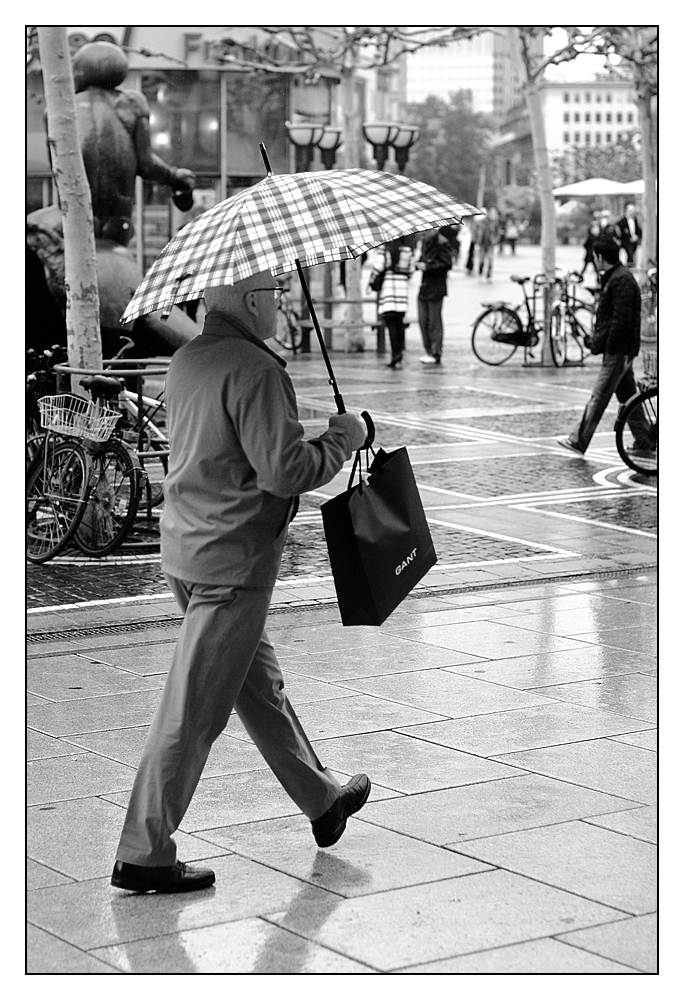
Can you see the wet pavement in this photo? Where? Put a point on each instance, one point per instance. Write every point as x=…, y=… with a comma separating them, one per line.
x=506, y=712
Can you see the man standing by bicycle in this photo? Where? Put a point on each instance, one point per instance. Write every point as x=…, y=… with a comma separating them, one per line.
x=617, y=336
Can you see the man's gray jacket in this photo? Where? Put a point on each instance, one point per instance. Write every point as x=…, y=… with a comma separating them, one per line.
x=237, y=458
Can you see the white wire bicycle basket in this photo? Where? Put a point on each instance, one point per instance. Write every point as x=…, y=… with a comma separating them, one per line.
x=74, y=416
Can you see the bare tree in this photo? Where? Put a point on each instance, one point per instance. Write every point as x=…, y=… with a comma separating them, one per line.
x=637, y=51
x=83, y=304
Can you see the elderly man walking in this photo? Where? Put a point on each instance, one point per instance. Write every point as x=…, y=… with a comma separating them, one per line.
x=237, y=464
x=617, y=336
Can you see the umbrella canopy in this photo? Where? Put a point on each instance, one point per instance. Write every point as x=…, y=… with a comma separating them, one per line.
x=290, y=221
x=594, y=187
x=633, y=187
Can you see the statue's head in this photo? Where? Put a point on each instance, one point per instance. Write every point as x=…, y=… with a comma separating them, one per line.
x=99, y=64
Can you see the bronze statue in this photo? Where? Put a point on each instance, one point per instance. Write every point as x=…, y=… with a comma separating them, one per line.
x=114, y=132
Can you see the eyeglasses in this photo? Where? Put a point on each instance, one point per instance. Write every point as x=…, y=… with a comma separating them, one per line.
x=276, y=289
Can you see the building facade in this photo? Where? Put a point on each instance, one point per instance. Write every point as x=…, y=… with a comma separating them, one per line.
x=213, y=97
x=485, y=65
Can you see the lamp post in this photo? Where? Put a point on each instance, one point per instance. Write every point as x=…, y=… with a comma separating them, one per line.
x=328, y=144
x=382, y=135
x=304, y=137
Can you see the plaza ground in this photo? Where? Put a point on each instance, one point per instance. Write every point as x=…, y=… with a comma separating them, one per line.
x=505, y=713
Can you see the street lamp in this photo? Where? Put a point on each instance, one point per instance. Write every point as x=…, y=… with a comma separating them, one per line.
x=402, y=142
x=304, y=137
x=328, y=144
x=382, y=135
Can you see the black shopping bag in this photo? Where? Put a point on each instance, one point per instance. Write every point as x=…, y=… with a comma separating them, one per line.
x=378, y=540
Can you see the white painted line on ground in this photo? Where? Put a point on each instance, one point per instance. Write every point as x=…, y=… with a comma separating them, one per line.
x=588, y=520
x=494, y=534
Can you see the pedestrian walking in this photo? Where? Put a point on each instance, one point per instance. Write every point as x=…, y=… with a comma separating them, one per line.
x=435, y=263
x=238, y=463
x=616, y=335
x=392, y=269
x=487, y=241
x=512, y=233
x=593, y=233
x=470, y=259
x=629, y=232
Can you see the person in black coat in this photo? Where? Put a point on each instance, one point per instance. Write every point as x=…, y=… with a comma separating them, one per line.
x=435, y=263
x=629, y=232
x=617, y=336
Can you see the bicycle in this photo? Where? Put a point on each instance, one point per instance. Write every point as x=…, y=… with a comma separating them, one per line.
x=643, y=403
x=288, y=331
x=143, y=425
x=500, y=330
x=83, y=486
x=572, y=323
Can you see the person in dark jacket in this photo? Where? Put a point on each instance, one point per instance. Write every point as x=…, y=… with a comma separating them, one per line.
x=435, y=263
x=617, y=336
x=629, y=233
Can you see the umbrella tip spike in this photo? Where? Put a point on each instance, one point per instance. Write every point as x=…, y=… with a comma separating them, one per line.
x=267, y=162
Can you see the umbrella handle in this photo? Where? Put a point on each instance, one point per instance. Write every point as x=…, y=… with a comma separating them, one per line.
x=370, y=438
x=314, y=319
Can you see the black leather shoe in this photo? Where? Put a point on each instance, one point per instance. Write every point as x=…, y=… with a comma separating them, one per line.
x=329, y=827
x=171, y=878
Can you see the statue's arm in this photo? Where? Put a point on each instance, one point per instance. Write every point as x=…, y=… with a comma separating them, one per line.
x=150, y=166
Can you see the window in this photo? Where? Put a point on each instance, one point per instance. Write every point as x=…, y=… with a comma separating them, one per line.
x=609, y=136
x=618, y=117
x=577, y=118
x=587, y=96
x=609, y=117
x=598, y=98
x=577, y=98
x=630, y=117
x=566, y=116
x=577, y=138
x=587, y=138
x=566, y=97
x=598, y=138
x=587, y=116
x=609, y=98
x=598, y=116
x=566, y=137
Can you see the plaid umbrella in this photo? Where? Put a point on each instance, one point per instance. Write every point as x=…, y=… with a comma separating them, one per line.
x=287, y=222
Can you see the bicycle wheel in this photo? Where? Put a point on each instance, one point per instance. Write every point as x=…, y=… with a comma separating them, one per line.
x=581, y=327
x=559, y=336
x=495, y=334
x=636, y=458
x=288, y=333
x=113, y=496
x=55, y=496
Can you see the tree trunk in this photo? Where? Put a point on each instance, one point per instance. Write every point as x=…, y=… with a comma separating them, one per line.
x=548, y=209
x=84, y=343
x=352, y=128
x=649, y=241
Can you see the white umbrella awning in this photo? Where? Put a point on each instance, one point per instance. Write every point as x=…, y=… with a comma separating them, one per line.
x=633, y=187
x=594, y=187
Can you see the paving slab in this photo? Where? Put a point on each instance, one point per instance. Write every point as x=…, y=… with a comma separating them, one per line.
x=639, y=823
x=457, y=696
x=401, y=927
x=78, y=838
x=544, y=956
x=648, y=739
x=455, y=815
x=619, y=769
x=495, y=640
x=407, y=764
x=393, y=656
x=633, y=942
x=79, y=775
x=544, y=670
x=92, y=914
x=597, y=864
x=523, y=729
x=633, y=694
x=92, y=715
x=368, y=859
x=242, y=947
x=46, y=954
x=69, y=677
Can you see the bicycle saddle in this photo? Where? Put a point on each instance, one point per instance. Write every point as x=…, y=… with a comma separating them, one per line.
x=496, y=305
x=102, y=386
x=518, y=279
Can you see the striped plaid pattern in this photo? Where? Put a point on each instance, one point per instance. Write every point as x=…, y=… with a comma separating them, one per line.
x=315, y=218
